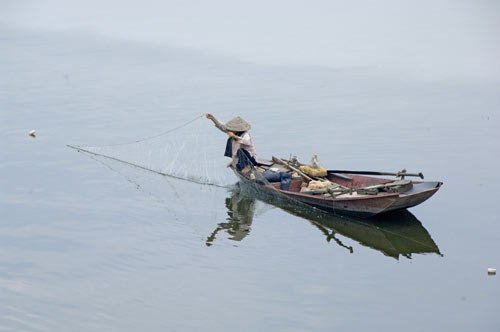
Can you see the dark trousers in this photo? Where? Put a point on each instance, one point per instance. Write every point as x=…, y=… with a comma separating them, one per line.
x=282, y=177
x=244, y=157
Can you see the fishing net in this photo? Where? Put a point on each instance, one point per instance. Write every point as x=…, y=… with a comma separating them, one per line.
x=191, y=151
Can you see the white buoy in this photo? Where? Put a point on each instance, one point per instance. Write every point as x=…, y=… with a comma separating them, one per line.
x=32, y=133
x=492, y=271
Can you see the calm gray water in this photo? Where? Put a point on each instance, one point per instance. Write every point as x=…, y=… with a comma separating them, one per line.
x=89, y=244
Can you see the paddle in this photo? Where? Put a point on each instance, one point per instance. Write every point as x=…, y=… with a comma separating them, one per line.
x=401, y=173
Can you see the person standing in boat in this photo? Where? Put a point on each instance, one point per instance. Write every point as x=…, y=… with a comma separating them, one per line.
x=239, y=145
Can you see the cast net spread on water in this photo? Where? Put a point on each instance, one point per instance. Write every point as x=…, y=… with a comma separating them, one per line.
x=192, y=151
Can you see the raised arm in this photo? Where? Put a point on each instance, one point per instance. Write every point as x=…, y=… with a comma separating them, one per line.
x=217, y=123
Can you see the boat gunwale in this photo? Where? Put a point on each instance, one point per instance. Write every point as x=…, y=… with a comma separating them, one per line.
x=394, y=199
x=364, y=197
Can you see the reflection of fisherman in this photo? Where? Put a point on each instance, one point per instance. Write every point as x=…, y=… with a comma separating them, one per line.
x=239, y=145
x=240, y=212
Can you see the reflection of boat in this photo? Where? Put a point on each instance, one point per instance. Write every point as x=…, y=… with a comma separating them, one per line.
x=354, y=195
x=393, y=234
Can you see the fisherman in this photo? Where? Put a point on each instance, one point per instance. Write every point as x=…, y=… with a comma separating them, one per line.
x=239, y=145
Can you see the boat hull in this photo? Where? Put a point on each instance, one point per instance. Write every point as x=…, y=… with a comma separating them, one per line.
x=364, y=206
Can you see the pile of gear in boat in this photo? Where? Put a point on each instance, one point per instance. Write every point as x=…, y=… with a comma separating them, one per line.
x=315, y=181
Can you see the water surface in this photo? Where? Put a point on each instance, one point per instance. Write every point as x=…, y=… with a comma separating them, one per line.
x=89, y=244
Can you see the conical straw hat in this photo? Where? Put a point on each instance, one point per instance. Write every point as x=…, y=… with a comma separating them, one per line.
x=237, y=124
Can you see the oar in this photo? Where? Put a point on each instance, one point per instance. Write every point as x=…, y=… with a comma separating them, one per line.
x=284, y=163
x=401, y=173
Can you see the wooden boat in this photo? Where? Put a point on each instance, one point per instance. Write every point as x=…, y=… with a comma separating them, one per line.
x=360, y=195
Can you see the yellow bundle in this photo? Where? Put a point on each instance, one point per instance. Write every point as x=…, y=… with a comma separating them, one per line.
x=313, y=171
x=316, y=185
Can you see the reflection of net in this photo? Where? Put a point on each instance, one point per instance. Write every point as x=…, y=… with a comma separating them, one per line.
x=191, y=152
x=175, y=194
